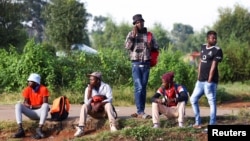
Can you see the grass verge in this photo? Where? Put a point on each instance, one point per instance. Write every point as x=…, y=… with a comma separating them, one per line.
x=132, y=129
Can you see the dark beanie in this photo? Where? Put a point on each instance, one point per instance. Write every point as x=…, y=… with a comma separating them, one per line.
x=137, y=17
x=168, y=77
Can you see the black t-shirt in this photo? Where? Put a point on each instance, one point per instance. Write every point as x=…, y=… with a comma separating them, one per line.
x=208, y=55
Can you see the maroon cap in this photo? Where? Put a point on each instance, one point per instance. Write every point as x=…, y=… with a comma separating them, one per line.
x=168, y=77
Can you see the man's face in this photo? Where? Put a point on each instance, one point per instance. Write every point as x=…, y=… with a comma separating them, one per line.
x=93, y=81
x=140, y=24
x=212, y=40
x=31, y=84
x=166, y=84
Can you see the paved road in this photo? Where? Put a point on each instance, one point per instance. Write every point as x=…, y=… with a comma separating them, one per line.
x=7, y=112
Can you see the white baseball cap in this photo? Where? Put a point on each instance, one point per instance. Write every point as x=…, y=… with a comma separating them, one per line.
x=35, y=78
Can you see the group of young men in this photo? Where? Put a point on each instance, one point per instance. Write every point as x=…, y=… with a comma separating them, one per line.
x=170, y=98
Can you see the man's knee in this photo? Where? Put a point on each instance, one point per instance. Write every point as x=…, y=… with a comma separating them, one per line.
x=18, y=105
x=45, y=106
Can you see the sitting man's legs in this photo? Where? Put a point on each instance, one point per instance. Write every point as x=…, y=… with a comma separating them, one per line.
x=181, y=112
x=111, y=116
x=38, y=114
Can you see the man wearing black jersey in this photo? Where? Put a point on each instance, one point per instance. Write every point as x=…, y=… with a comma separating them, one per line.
x=210, y=56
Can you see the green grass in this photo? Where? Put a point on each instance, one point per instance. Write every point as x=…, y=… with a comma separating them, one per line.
x=131, y=129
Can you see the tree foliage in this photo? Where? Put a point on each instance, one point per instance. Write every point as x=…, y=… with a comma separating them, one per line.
x=161, y=35
x=180, y=34
x=233, y=22
x=233, y=30
x=112, y=36
x=66, y=22
x=31, y=13
x=11, y=30
x=16, y=67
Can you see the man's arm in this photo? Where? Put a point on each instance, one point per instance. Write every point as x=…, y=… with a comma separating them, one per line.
x=156, y=98
x=26, y=102
x=211, y=72
x=130, y=39
x=108, y=93
x=199, y=69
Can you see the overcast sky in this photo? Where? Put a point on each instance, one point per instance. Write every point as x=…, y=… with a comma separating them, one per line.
x=197, y=13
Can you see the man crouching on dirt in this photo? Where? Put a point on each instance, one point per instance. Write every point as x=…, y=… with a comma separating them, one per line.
x=173, y=102
x=97, y=103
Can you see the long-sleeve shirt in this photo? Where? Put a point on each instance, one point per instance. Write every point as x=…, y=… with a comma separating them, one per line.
x=104, y=89
x=175, y=92
x=139, y=46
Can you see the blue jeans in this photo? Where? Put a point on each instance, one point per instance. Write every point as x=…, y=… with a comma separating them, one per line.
x=209, y=89
x=140, y=73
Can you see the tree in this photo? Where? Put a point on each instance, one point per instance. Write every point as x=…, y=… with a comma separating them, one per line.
x=194, y=41
x=11, y=30
x=99, y=23
x=233, y=30
x=31, y=13
x=161, y=36
x=233, y=23
x=180, y=34
x=112, y=35
x=66, y=23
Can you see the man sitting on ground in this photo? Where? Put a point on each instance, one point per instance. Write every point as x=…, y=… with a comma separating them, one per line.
x=35, y=105
x=97, y=103
x=173, y=102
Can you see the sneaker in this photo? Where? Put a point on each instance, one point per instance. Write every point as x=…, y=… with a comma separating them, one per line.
x=205, y=130
x=20, y=133
x=113, y=128
x=197, y=126
x=156, y=125
x=79, y=131
x=39, y=132
x=181, y=124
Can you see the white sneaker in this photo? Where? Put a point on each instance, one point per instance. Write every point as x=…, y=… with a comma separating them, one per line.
x=156, y=125
x=205, y=130
x=79, y=132
x=113, y=128
x=181, y=124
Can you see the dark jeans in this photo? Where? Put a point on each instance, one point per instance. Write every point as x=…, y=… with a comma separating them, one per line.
x=140, y=73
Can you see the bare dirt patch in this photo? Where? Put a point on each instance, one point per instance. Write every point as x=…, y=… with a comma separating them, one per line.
x=235, y=104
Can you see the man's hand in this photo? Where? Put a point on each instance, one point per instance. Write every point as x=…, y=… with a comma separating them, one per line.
x=90, y=87
x=135, y=31
x=160, y=101
x=169, y=100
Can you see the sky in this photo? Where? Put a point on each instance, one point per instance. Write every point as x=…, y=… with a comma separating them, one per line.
x=196, y=13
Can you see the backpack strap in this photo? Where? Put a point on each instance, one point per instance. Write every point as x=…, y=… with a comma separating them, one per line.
x=176, y=88
x=149, y=37
x=62, y=104
x=67, y=103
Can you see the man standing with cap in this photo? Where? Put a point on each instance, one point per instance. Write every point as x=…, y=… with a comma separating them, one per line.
x=139, y=50
x=35, y=105
x=97, y=103
x=169, y=100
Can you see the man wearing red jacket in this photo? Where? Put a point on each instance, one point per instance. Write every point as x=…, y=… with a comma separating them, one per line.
x=173, y=102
